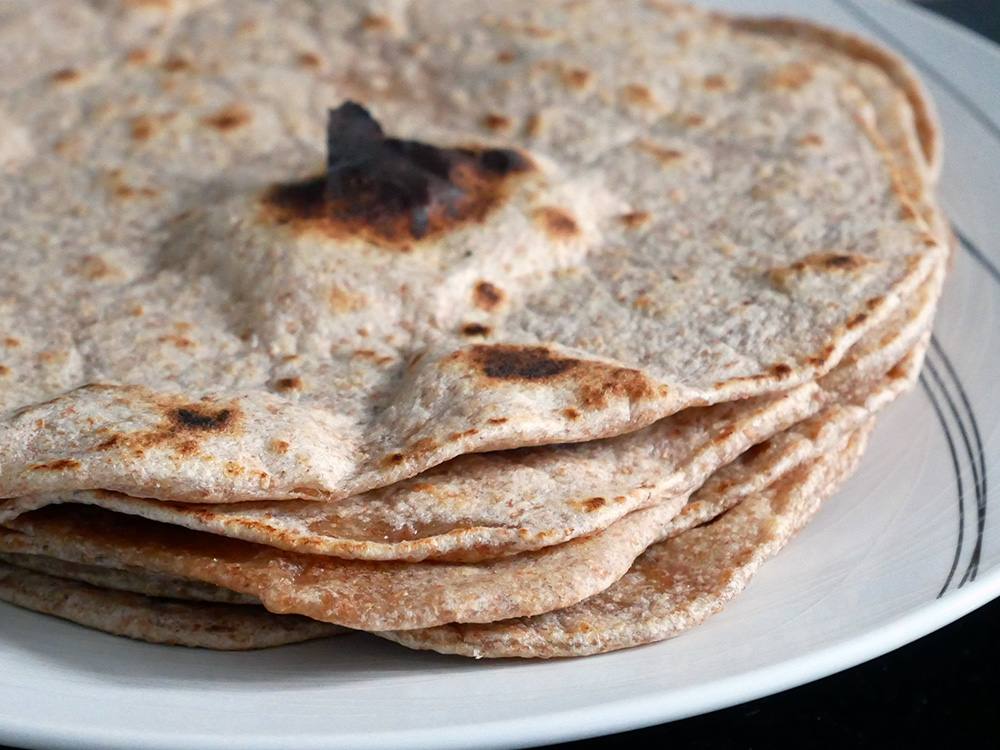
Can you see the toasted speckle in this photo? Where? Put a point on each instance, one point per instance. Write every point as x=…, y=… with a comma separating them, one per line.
x=558, y=223
x=376, y=22
x=638, y=95
x=475, y=329
x=310, y=60
x=144, y=127
x=285, y=385
x=231, y=117
x=486, y=296
x=636, y=219
x=576, y=78
x=280, y=446
x=66, y=75
x=497, y=122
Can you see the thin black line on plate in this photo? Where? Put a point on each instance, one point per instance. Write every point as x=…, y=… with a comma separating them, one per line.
x=958, y=482
x=977, y=456
x=925, y=67
x=976, y=253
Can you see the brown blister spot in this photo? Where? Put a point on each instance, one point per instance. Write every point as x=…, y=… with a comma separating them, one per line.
x=345, y=300
x=66, y=75
x=96, y=268
x=233, y=469
x=497, y=122
x=811, y=139
x=635, y=219
x=781, y=370
x=144, y=127
x=475, y=329
x=455, y=436
x=280, y=446
x=576, y=78
x=310, y=60
x=376, y=22
x=666, y=156
x=188, y=448
x=139, y=56
x=694, y=120
x=286, y=385
x=4, y=370
x=486, y=296
x=638, y=95
x=177, y=64
x=231, y=117
x=497, y=420
x=506, y=57
x=11, y=342
x=62, y=464
x=715, y=82
x=534, y=125
x=793, y=77
x=571, y=414
x=558, y=223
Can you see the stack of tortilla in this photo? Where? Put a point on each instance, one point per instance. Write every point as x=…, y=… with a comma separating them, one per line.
x=527, y=329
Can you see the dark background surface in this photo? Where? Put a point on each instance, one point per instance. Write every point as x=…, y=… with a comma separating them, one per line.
x=944, y=685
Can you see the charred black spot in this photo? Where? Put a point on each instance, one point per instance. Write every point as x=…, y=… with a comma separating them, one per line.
x=520, y=362
x=199, y=420
x=475, y=329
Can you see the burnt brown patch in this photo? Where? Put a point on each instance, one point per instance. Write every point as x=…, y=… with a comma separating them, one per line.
x=635, y=219
x=781, y=370
x=197, y=417
x=593, y=504
x=476, y=329
x=287, y=385
x=558, y=223
x=4, y=370
x=497, y=420
x=600, y=383
x=231, y=117
x=62, y=464
x=486, y=296
x=513, y=362
x=571, y=414
x=392, y=192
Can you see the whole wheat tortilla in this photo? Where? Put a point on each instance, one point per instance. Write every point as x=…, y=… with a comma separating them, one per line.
x=225, y=627
x=671, y=587
x=485, y=506
x=132, y=580
x=710, y=214
x=369, y=595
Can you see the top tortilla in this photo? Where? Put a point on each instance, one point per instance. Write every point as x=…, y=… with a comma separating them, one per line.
x=710, y=214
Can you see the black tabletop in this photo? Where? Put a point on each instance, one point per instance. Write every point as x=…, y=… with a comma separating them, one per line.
x=945, y=684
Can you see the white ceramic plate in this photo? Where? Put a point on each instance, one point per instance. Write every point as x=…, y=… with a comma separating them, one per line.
x=905, y=548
